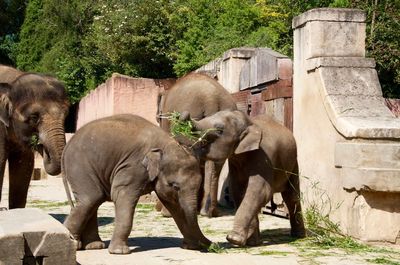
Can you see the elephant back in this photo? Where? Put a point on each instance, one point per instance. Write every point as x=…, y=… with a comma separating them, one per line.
x=198, y=94
x=8, y=74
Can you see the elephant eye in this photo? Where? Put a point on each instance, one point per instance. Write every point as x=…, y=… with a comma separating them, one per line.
x=34, y=118
x=174, y=185
x=219, y=128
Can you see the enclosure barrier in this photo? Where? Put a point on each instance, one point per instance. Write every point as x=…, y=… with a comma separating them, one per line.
x=348, y=140
x=30, y=236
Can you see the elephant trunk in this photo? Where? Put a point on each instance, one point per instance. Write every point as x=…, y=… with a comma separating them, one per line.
x=193, y=237
x=52, y=137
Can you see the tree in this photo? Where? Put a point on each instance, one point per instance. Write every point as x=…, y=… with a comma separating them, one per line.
x=11, y=19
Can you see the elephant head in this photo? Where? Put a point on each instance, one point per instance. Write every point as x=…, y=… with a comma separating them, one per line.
x=227, y=132
x=35, y=106
x=178, y=180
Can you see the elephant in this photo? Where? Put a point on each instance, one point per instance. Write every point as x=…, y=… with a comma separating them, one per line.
x=262, y=160
x=33, y=108
x=201, y=96
x=118, y=159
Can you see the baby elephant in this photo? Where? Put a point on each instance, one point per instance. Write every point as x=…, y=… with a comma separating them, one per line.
x=118, y=159
x=262, y=161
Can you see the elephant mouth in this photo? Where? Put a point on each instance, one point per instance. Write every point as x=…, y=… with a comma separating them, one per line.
x=39, y=148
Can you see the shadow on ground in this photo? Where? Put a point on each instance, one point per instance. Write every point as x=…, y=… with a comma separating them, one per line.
x=151, y=243
x=101, y=220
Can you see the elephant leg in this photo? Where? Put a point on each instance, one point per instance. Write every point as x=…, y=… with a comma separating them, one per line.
x=210, y=196
x=90, y=235
x=86, y=206
x=160, y=207
x=291, y=196
x=20, y=172
x=237, y=184
x=125, y=202
x=3, y=159
x=257, y=193
x=254, y=233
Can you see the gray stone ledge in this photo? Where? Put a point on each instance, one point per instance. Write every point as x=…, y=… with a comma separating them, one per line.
x=367, y=128
x=242, y=52
x=368, y=179
x=329, y=14
x=368, y=155
x=346, y=62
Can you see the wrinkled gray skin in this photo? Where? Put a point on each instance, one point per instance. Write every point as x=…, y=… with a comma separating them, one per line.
x=118, y=159
x=30, y=104
x=260, y=152
x=201, y=96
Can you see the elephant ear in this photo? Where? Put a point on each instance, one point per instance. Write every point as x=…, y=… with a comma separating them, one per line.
x=250, y=140
x=5, y=104
x=152, y=163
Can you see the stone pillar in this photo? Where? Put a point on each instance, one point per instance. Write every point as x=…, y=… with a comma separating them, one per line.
x=348, y=140
x=30, y=236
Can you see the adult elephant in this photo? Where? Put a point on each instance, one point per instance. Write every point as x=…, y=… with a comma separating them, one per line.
x=33, y=108
x=201, y=96
x=262, y=161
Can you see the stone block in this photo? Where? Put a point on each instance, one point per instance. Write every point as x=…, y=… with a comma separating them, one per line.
x=326, y=27
x=329, y=14
x=30, y=236
x=350, y=81
x=263, y=67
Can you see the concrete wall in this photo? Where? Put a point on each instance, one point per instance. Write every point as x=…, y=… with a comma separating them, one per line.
x=348, y=140
x=259, y=79
x=122, y=94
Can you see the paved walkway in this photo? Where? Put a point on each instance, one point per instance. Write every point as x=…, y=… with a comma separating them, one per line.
x=156, y=240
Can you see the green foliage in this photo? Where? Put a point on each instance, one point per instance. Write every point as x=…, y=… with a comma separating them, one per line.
x=84, y=42
x=383, y=261
x=216, y=248
x=34, y=141
x=11, y=18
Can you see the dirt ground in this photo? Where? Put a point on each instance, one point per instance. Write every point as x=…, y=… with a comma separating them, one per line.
x=156, y=240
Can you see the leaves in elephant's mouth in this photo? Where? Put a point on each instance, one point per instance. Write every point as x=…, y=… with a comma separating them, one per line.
x=34, y=141
x=185, y=128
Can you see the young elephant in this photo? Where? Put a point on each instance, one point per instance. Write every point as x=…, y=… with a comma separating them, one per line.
x=118, y=159
x=261, y=152
x=201, y=96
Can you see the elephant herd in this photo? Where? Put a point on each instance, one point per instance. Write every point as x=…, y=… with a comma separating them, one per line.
x=122, y=157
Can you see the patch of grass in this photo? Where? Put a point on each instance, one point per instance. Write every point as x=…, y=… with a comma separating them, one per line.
x=216, y=248
x=381, y=260
x=47, y=204
x=274, y=253
x=144, y=208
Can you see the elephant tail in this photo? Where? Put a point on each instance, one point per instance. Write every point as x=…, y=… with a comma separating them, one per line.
x=66, y=185
x=68, y=191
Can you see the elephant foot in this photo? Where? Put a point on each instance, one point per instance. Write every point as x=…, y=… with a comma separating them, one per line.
x=3, y=209
x=253, y=241
x=187, y=244
x=236, y=239
x=298, y=233
x=210, y=213
x=95, y=245
x=118, y=249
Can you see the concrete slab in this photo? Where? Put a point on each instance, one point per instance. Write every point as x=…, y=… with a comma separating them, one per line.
x=30, y=235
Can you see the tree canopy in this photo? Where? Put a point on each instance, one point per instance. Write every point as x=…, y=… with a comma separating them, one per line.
x=83, y=42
